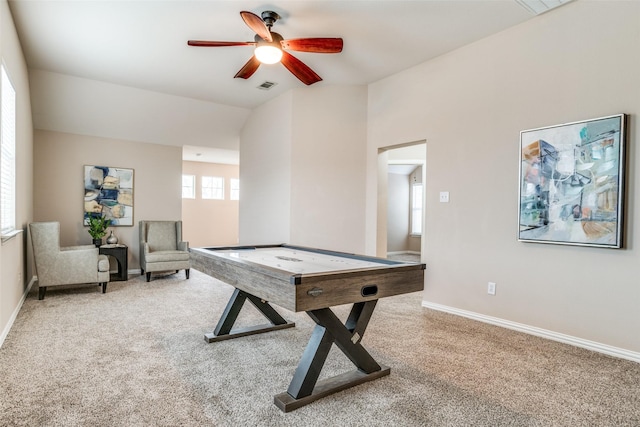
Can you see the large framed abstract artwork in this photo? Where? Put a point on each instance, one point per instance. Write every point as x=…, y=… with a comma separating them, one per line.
x=108, y=192
x=572, y=183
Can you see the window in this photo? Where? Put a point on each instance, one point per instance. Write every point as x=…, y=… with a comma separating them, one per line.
x=416, y=209
x=8, y=154
x=235, y=189
x=188, y=186
x=213, y=187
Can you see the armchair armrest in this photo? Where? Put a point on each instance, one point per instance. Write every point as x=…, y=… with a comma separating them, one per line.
x=75, y=248
x=73, y=266
x=183, y=246
x=80, y=259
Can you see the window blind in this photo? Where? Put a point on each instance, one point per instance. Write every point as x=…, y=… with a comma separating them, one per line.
x=7, y=154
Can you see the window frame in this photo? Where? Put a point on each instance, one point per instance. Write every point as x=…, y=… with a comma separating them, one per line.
x=212, y=192
x=417, y=206
x=234, y=190
x=8, y=148
x=192, y=186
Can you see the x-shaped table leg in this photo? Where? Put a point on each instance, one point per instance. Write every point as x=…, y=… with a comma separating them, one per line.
x=304, y=387
x=223, y=330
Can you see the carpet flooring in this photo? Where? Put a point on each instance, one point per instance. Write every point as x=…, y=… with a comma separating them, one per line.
x=136, y=356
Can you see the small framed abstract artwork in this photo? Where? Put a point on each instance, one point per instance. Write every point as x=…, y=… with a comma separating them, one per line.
x=572, y=183
x=108, y=192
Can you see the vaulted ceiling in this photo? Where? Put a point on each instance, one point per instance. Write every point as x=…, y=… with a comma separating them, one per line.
x=143, y=44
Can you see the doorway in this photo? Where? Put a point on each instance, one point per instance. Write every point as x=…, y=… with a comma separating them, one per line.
x=401, y=196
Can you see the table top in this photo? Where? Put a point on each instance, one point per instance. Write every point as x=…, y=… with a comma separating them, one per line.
x=300, y=278
x=116, y=245
x=298, y=260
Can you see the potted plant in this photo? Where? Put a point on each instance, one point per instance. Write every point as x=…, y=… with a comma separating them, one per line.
x=98, y=228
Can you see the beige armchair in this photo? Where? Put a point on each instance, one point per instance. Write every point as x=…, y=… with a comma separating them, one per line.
x=56, y=266
x=162, y=248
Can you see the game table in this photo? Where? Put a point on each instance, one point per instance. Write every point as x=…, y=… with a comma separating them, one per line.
x=311, y=280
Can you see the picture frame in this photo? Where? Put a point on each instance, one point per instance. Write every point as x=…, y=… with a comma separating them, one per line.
x=108, y=192
x=571, y=189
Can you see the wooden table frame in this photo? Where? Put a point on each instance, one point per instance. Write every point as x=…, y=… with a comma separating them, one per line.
x=305, y=387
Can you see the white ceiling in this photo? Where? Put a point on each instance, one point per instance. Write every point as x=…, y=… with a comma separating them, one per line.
x=404, y=160
x=401, y=169
x=143, y=44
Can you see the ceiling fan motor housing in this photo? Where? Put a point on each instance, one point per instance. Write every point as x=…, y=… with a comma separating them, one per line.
x=269, y=17
x=277, y=38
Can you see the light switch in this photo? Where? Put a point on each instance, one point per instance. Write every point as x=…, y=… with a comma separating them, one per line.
x=444, y=197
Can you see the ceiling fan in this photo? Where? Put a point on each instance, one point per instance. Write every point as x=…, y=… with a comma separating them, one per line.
x=272, y=48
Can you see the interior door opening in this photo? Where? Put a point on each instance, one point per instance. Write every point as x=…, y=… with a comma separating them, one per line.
x=401, y=196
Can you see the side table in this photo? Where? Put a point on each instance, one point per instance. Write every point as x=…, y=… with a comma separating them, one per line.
x=120, y=253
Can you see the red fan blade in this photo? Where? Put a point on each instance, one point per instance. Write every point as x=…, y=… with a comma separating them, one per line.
x=218, y=44
x=316, y=45
x=257, y=25
x=305, y=74
x=249, y=68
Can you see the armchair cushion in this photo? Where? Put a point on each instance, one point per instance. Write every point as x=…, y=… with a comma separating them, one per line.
x=166, y=256
x=161, y=236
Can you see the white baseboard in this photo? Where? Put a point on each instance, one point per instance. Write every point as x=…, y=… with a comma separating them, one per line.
x=12, y=319
x=403, y=253
x=539, y=332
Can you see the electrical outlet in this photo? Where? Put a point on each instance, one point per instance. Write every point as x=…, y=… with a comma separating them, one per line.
x=444, y=197
x=491, y=288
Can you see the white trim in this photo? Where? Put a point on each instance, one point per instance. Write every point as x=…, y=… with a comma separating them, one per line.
x=14, y=315
x=403, y=253
x=539, y=332
x=11, y=234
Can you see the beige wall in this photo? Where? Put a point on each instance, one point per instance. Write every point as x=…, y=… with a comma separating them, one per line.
x=14, y=271
x=581, y=61
x=265, y=173
x=59, y=160
x=328, y=167
x=210, y=222
x=302, y=168
x=398, y=212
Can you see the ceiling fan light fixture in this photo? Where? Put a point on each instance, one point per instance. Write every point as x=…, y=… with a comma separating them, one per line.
x=268, y=54
x=270, y=47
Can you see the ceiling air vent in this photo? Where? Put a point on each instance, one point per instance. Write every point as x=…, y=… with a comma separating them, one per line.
x=267, y=85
